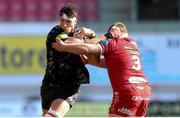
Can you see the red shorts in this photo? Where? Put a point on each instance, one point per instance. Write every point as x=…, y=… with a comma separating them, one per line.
x=131, y=100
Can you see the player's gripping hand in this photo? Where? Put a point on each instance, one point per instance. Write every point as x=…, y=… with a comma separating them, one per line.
x=78, y=33
x=81, y=32
x=58, y=44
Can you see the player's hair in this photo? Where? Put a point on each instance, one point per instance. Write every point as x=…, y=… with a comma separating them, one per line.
x=121, y=26
x=110, y=27
x=69, y=10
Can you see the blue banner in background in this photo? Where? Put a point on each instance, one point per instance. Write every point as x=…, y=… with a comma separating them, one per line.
x=98, y=76
x=160, y=57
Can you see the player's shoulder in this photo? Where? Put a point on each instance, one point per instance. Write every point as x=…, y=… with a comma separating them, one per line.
x=128, y=38
x=56, y=29
x=104, y=42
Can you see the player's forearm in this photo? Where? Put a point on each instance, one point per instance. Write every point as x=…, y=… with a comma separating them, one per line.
x=101, y=63
x=77, y=48
x=95, y=60
x=96, y=40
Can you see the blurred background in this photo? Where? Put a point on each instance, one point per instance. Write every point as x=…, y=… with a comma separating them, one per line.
x=24, y=24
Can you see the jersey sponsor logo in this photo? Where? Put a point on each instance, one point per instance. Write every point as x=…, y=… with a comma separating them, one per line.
x=140, y=87
x=136, y=80
x=125, y=111
x=139, y=98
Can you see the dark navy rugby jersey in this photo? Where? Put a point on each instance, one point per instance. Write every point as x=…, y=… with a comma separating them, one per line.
x=63, y=68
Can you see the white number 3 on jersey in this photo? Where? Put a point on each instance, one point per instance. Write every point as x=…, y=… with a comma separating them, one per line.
x=137, y=62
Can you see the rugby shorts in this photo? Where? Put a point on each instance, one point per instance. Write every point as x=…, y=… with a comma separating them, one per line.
x=131, y=100
x=49, y=94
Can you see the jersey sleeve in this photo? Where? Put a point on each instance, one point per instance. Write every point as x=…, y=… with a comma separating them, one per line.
x=103, y=44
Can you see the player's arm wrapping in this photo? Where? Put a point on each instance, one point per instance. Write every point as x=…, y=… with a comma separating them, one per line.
x=96, y=39
x=97, y=60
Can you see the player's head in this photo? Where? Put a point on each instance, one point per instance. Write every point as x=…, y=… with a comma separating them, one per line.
x=118, y=29
x=68, y=18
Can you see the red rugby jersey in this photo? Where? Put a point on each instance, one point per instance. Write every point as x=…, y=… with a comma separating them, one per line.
x=123, y=61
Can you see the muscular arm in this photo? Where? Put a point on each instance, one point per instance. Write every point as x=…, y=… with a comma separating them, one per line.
x=90, y=41
x=92, y=51
x=99, y=63
x=95, y=40
x=71, y=40
x=77, y=48
x=95, y=60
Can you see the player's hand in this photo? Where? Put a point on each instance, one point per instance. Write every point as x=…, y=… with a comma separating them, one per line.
x=58, y=44
x=79, y=33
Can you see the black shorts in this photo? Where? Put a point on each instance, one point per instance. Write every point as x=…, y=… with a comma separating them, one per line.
x=49, y=94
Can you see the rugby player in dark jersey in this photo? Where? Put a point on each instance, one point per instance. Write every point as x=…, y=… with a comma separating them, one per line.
x=65, y=72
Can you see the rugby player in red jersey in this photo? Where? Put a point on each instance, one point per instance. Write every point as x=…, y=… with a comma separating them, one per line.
x=131, y=90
